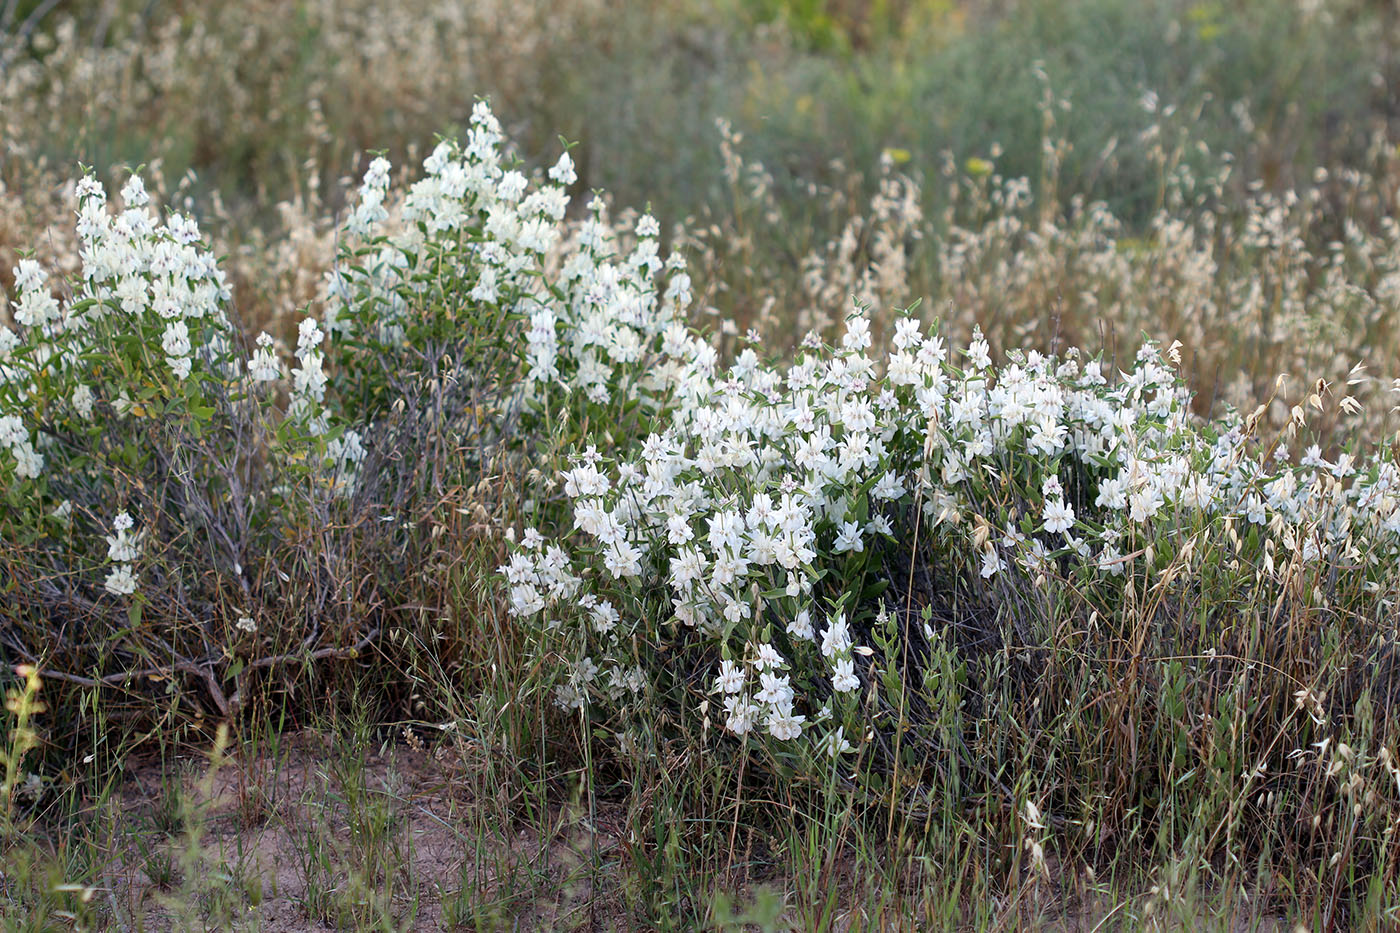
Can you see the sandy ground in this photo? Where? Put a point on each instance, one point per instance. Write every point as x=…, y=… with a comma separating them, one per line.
x=255, y=818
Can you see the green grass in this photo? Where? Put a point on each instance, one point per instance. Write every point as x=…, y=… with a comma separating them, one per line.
x=1278, y=89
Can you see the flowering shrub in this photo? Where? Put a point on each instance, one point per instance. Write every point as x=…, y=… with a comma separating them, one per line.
x=220, y=512
x=758, y=514
x=895, y=567
x=147, y=472
x=944, y=581
x=477, y=306
x=794, y=551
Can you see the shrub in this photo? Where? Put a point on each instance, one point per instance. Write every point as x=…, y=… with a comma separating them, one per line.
x=951, y=586
x=188, y=513
x=164, y=519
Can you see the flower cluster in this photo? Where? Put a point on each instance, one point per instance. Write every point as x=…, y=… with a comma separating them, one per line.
x=751, y=509
x=142, y=334
x=146, y=313
x=503, y=241
x=309, y=377
x=123, y=549
x=138, y=266
x=15, y=438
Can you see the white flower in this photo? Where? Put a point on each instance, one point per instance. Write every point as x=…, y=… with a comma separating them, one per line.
x=978, y=351
x=848, y=538
x=525, y=600
x=836, y=640
x=857, y=336
x=176, y=339
x=309, y=379
x=1144, y=503
x=134, y=192
x=801, y=626
x=678, y=530
x=1111, y=561
x=511, y=187
x=36, y=308
x=378, y=174
x=731, y=677
x=605, y=617
x=264, y=365
x=623, y=559
x=1254, y=510
x=879, y=525
x=246, y=624
x=1112, y=494
x=121, y=581
x=768, y=657
x=570, y=697
x=906, y=333
x=742, y=715
x=29, y=275
x=836, y=743
x=82, y=401
x=843, y=676
x=774, y=689
x=563, y=171
x=122, y=547
x=1058, y=516
x=784, y=725
x=29, y=464
x=309, y=335
x=889, y=486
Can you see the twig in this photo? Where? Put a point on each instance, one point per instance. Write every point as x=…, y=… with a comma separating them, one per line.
x=227, y=705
